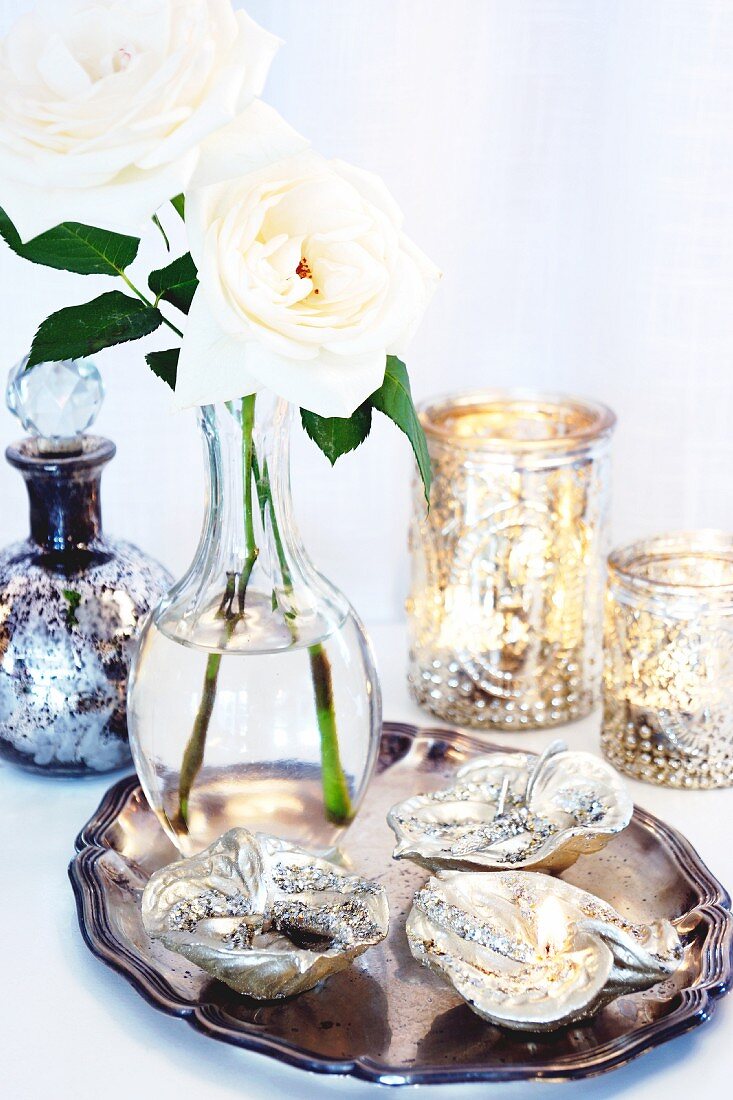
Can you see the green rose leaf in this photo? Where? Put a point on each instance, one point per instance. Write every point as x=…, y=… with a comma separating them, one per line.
x=78, y=331
x=176, y=283
x=179, y=205
x=394, y=399
x=164, y=365
x=337, y=435
x=74, y=247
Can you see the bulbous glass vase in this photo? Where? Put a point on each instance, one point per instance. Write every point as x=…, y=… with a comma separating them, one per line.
x=71, y=602
x=253, y=699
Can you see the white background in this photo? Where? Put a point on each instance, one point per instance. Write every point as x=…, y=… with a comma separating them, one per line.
x=569, y=164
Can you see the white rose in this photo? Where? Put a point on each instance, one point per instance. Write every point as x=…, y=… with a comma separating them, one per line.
x=307, y=283
x=104, y=105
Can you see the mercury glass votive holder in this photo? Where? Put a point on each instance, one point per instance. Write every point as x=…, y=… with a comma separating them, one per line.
x=508, y=565
x=668, y=667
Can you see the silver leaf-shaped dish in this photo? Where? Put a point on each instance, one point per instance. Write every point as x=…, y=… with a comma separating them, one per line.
x=488, y=936
x=385, y=1019
x=266, y=917
x=516, y=810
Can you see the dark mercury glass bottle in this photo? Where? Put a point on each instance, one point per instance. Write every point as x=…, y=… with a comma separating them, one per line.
x=71, y=599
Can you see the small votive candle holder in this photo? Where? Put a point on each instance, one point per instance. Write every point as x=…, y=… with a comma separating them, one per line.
x=668, y=667
x=508, y=565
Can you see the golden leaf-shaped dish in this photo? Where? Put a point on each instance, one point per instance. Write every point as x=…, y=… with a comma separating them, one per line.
x=262, y=915
x=487, y=936
x=514, y=810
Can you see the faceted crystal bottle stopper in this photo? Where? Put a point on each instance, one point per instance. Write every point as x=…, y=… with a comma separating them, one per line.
x=56, y=402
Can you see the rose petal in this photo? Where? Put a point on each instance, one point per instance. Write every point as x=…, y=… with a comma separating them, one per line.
x=113, y=95
x=62, y=73
x=256, y=49
x=256, y=139
x=328, y=385
x=216, y=111
x=121, y=207
x=211, y=366
x=236, y=86
x=430, y=276
x=371, y=187
x=316, y=333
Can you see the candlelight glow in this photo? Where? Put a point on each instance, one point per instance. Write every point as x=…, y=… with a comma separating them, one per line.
x=668, y=664
x=505, y=607
x=552, y=927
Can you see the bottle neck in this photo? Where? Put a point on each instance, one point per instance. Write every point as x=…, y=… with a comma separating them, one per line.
x=251, y=587
x=249, y=530
x=63, y=493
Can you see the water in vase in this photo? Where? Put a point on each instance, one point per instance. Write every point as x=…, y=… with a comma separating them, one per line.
x=254, y=700
x=262, y=760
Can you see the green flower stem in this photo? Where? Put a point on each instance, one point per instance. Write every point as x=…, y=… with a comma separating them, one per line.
x=264, y=494
x=193, y=757
x=149, y=304
x=248, y=419
x=336, y=796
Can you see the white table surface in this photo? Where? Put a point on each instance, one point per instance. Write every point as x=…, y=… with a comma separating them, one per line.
x=70, y=1027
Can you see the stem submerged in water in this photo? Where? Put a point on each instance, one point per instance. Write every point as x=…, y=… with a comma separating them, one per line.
x=336, y=798
x=193, y=757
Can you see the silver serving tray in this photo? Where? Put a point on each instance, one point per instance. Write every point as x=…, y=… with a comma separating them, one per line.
x=386, y=1019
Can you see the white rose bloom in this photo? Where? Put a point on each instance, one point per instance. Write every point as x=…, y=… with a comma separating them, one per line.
x=104, y=105
x=307, y=284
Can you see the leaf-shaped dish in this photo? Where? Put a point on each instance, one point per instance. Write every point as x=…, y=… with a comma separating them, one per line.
x=262, y=915
x=385, y=1019
x=484, y=935
x=514, y=810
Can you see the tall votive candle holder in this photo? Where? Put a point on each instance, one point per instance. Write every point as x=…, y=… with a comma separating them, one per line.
x=508, y=565
x=668, y=667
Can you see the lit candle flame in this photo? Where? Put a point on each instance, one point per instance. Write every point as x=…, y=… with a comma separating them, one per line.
x=552, y=927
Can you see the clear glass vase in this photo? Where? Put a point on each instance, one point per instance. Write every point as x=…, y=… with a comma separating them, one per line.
x=254, y=699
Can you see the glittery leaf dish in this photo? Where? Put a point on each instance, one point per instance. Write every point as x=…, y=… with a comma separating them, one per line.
x=267, y=918
x=487, y=936
x=514, y=810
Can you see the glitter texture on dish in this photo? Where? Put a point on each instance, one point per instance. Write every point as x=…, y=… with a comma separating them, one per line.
x=264, y=916
x=483, y=934
x=514, y=810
